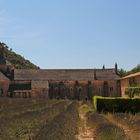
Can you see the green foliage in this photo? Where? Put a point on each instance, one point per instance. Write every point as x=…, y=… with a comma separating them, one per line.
x=134, y=70
x=107, y=104
x=124, y=73
x=95, y=98
x=133, y=83
x=132, y=91
x=17, y=60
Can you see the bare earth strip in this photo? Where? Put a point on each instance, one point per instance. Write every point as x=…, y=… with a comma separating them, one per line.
x=85, y=132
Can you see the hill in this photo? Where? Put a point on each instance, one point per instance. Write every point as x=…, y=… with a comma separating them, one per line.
x=17, y=60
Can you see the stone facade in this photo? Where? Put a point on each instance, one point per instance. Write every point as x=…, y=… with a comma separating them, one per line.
x=4, y=85
x=70, y=83
x=40, y=89
x=82, y=89
x=127, y=82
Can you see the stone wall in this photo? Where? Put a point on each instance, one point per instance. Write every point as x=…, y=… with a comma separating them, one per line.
x=4, y=86
x=125, y=83
x=81, y=89
x=40, y=89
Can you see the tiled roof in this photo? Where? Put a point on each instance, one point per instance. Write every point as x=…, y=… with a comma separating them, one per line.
x=131, y=75
x=65, y=74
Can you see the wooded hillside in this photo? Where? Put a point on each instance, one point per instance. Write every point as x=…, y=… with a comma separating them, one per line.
x=17, y=60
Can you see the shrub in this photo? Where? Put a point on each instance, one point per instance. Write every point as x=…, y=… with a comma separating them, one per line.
x=108, y=104
x=95, y=119
x=21, y=119
x=62, y=127
x=132, y=91
x=133, y=121
x=109, y=131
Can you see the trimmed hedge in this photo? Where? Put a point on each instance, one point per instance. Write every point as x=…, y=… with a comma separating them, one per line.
x=108, y=104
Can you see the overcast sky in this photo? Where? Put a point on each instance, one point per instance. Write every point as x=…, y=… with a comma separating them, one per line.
x=73, y=33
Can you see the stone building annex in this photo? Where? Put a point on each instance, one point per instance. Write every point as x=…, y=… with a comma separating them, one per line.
x=57, y=83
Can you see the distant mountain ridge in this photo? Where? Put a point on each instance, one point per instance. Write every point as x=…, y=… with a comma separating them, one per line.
x=17, y=60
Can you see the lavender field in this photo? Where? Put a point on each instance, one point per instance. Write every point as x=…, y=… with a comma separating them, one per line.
x=38, y=119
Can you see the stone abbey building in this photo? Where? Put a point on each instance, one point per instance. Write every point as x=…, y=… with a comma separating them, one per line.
x=57, y=83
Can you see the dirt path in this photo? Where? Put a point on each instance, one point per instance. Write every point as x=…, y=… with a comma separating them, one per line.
x=85, y=132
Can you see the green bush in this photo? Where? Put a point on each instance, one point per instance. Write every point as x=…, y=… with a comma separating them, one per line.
x=108, y=104
x=132, y=91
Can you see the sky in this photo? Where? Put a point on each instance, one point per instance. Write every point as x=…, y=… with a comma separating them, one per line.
x=73, y=33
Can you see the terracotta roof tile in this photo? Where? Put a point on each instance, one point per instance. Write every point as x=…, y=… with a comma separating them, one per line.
x=131, y=75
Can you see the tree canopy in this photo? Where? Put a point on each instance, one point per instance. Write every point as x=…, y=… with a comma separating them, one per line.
x=123, y=72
